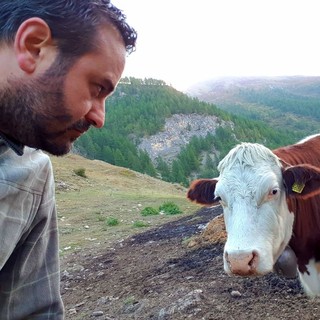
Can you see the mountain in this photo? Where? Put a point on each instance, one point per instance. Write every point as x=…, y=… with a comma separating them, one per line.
x=154, y=129
x=281, y=102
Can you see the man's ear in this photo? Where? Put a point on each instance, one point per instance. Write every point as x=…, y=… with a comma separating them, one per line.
x=202, y=191
x=302, y=181
x=31, y=40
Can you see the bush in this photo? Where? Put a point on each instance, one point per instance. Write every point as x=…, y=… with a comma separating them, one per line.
x=112, y=221
x=170, y=208
x=140, y=224
x=149, y=211
x=81, y=172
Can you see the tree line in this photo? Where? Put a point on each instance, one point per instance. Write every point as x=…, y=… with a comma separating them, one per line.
x=139, y=109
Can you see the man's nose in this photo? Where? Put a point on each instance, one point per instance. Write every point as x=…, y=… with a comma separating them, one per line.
x=96, y=115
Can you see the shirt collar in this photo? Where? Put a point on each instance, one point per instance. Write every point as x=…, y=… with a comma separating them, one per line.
x=12, y=144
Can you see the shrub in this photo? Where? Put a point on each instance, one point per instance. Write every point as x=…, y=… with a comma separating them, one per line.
x=127, y=173
x=149, y=211
x=81, y=172
x=112, y=221
x=139, y=224
x=170, y=208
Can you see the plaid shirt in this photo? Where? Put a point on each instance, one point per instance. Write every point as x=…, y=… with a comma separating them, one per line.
x=29, y=256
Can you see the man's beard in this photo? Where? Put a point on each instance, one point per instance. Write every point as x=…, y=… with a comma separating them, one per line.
x=30, y=111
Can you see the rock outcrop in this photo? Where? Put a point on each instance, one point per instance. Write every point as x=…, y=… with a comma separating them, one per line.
x=178, y=131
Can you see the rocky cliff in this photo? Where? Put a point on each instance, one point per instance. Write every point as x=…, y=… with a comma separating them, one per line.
x=177, y=132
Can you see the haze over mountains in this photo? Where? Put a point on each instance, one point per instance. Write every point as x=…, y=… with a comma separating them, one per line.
x=282, y=102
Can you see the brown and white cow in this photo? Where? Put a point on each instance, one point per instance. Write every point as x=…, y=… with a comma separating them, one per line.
x=270, y=199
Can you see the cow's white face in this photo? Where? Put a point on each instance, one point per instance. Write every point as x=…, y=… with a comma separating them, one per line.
x=258, y=222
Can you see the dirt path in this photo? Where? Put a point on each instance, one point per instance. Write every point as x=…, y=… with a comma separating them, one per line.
x=153, y=275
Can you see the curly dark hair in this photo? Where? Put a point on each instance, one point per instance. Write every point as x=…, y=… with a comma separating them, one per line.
x=73, y=23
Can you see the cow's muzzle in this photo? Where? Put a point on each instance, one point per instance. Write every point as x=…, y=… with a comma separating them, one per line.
x=242, y=263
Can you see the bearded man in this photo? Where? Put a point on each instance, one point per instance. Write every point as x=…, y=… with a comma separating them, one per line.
x=59, y=61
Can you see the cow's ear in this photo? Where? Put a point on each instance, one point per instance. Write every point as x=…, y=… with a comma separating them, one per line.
x=202, y=191
x=302, y=181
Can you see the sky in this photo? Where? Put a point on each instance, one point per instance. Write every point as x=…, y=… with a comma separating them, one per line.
x=184, y=42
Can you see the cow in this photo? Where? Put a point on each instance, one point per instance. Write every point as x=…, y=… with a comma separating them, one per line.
x=270, y=200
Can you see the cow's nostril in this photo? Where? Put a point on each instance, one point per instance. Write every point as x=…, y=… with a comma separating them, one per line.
x=254, y=261
x=226, y=257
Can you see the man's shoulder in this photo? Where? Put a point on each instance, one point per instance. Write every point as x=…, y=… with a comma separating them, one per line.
x=31, y=154
x=32, y=158
x=29, y=171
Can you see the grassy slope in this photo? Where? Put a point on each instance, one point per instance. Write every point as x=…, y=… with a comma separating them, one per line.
x=84, y=204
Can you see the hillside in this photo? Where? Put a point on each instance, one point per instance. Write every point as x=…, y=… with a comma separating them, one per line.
x=281, y=102
x=86, y=203
x=154, y=129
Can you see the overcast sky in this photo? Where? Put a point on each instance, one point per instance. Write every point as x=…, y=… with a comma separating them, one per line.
x=183, y=41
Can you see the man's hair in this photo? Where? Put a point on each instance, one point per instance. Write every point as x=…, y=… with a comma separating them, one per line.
x=73, y=23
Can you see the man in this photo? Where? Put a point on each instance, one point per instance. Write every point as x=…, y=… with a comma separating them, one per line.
x=59, y=61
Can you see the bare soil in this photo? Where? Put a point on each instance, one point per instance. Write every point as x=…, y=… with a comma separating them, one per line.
x=154, y=275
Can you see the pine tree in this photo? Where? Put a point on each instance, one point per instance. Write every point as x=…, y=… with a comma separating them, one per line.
x=178, y=174
x=164, y=169
x=119, y=159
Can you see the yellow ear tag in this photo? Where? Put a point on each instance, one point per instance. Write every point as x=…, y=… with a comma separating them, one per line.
x=298, y=187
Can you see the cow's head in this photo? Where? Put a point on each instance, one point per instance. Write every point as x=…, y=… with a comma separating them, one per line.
x=252, y=188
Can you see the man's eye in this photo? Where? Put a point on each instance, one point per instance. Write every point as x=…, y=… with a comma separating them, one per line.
x=100, y=89
x=96, y=90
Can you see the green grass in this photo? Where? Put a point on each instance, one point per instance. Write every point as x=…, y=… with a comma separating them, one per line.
x=81, y=172
x=170, y=208
x=108, y=191
x=149, y=211
x=140, y=224
x=111, y=221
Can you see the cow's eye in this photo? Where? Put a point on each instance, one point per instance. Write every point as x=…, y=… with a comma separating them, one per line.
x=273, y=192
